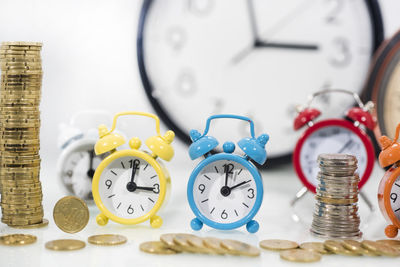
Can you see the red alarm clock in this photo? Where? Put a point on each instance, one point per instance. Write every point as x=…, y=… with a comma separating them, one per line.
x=333, y=135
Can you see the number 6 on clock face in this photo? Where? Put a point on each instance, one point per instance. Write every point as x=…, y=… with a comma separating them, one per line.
x=221, y=199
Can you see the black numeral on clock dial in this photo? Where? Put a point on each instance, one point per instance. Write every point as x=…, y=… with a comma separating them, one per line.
x=202, y=187
x=224, y=215
x=108, y=183
x=130, y=210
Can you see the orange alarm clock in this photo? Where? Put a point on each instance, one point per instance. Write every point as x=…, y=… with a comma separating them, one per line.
x=389, y=187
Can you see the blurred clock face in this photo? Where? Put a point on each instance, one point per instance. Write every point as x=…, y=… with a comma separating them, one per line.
x=254, y=58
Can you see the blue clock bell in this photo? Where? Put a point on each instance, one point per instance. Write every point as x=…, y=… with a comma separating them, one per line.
x=225, y=190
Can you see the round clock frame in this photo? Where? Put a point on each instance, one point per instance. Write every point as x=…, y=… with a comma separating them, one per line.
x=377, y=34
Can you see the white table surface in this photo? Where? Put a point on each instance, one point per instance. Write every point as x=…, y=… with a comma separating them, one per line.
x=275, y=218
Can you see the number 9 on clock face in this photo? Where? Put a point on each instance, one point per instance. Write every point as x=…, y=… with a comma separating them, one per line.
x=225, y=192
x=129, y=187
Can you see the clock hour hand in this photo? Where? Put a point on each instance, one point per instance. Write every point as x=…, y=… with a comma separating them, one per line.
x=239, y=184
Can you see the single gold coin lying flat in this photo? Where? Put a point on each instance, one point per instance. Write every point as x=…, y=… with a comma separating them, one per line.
x=17, y=239
x=380, y=248
x=156, y=247
x=107, y=240
x=214, y=244
x=300, y=255
x=315, y=246
x=239, y=248
x=71, y=214
x=278, y=244
x=65, y=244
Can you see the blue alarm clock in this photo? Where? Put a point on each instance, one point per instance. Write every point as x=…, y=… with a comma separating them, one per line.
x=225, y=190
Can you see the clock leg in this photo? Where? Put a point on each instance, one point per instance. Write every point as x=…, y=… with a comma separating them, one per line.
x=156, y=221
x=391, y=231
x=196, y=224
x=252, y=226
x=101, y=219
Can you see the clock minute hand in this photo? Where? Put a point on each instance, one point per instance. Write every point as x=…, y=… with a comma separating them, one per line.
x=239, y=184
x=284, y=45
x=226, y=175
x=134, y=168
x=91, y=170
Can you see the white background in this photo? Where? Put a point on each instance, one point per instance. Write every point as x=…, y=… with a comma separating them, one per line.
x=89, y=59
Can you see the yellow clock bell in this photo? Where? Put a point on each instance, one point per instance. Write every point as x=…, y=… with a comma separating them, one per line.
x=130, y=185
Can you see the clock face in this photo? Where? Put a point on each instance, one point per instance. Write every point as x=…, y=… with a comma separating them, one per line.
x=251, y=57
x=129, y=187
x=224, y=191
x=331, y=139
x=78, y=168
x=395, y=198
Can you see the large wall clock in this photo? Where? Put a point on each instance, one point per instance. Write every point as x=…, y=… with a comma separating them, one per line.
x=253, y=57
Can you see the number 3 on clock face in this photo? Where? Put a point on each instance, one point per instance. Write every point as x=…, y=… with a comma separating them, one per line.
x=225, y=194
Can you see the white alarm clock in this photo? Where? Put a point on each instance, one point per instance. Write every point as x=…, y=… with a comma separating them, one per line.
x=77, y=161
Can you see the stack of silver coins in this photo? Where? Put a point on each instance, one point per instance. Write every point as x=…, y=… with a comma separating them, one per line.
x=336, y=209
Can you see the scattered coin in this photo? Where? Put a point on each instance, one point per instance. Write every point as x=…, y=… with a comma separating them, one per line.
x=191, y=243
x=107, y=240
x=214, y=244
x=156, y=247
x=17, y=239
x=65, y=244
x=300, y=255
x=71, y=214
x=381, y=248
x=390, y=242
x=334, y=246
x=240, y=248
x=315, y=246
x=278, y=244
x=168, y=240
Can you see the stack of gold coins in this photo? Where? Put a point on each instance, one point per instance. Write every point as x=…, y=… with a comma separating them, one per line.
x=336, y=209
x=21, y=80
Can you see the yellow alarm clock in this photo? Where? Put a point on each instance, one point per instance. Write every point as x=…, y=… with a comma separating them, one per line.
x=130, y=185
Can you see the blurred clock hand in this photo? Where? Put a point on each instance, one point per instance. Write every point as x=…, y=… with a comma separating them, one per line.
x=91, y=170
